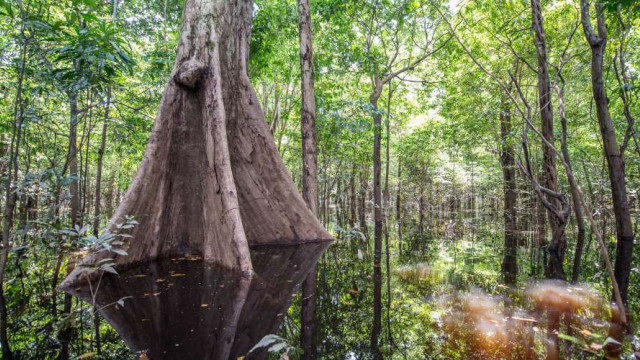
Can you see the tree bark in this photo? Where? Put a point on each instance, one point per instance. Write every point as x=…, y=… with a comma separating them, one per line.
x=575, y=196
x=399, y=206
x=364, y=184
x=211, y=185
x=97, y=208
x=309, y=172
x=507, y=160
x=74, y=200
x=352, y=197
x=377, y=218
x=386, y=198
x=10, y=197
x=541, y=234
x=615, y=159
x=557, y=246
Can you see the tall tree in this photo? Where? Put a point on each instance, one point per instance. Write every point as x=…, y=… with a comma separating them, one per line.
x=10, y=196
x=211, y=184
x=557, y=246
x=309, y=170
x=507, y=161
x=615, y=156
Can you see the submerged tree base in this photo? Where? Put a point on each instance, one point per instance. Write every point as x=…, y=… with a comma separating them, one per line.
x=187, y=308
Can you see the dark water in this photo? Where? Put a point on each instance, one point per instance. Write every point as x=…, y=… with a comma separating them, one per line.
x=451, y=307
x=185, y=308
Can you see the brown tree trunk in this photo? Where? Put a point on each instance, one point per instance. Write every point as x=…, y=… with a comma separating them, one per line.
x=65, y=336
x=615, y=159
x=575, y=196
x=97, y=209
x=211, y=187
x=541, y=235
x=386, y=197
x=364, y=184
x=8, y=216
x=399, y=206
x=507, y=160
x=377, y=218
x=352, y=199
x=309, y=172
x=74, y=201
x=10, y=197
x=557, y=246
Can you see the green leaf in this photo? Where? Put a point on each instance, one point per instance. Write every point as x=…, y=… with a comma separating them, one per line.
x=571, y=338
x=268, y=340
x=119, y=251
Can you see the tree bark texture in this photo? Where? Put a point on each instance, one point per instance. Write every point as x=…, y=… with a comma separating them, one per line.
x=309, y=171
x=378, y=220
x=507, y=160
x=615, y=159
x=557, y=246
x=213, y=187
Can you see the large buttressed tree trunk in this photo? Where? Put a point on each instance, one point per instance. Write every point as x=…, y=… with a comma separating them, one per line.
x=211, y=185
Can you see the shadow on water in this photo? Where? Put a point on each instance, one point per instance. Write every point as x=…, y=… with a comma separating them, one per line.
x=183, y=307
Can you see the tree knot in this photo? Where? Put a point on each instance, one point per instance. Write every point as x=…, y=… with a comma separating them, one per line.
x=189, y=73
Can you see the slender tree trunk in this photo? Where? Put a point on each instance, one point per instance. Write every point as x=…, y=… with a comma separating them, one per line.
x=10, y=196
x=364, y=184
x=9, y=210
x=386, y=197
x=557, y=246
x=575, y=197
x=615, y=158
x=541, y=234
x=399, y=206
x=507, y=160
x=74, y=201
x=309, y=172
x=377, y=217
x=97, y=208
x=74, y=207
x=421, y=215
x=352, y=199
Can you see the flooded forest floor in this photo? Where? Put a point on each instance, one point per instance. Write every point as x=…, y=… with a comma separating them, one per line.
x=443, y=299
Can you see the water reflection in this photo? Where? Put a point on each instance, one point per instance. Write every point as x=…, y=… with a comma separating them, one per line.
x=185, y=308
x=550, y=320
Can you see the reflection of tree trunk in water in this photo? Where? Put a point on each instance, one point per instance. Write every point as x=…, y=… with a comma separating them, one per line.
x=615, y=158
x=211, y=186
x=557, y=246
x=309, y=173
x=507, y=160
